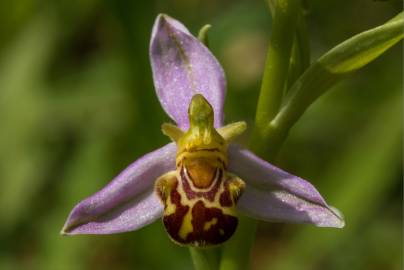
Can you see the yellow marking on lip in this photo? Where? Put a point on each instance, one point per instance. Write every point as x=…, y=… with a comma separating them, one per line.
x=186, y=226
x=209, y=224
x=170, y=208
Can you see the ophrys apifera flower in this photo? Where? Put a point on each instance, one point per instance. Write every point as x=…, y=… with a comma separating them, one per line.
x=201, y=181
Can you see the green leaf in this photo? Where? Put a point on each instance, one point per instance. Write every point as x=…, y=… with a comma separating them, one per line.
x=361, y=49
x=331, y=68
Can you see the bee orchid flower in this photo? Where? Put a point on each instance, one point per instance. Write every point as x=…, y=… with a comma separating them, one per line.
x=201, y=181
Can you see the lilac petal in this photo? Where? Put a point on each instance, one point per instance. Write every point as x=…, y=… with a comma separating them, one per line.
x=182, y=67
x=129, y=217
x=128, y=202
x=282, y=206
x=275, y=195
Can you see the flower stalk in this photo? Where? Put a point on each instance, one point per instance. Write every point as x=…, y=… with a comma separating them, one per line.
x=205, y=259
x=236, y=252
x=275, y=75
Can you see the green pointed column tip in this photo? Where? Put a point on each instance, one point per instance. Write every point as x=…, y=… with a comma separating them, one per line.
x=200, y=113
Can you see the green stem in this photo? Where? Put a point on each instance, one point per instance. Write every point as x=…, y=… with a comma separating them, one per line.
x=300, y=55
x=236, y=253
x=276, y=71
x=205, y=259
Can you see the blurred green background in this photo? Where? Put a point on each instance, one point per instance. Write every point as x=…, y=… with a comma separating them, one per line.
x=77, y=105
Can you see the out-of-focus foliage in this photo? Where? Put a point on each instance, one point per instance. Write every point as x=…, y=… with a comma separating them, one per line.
x=335, y=65
x=77, y=105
